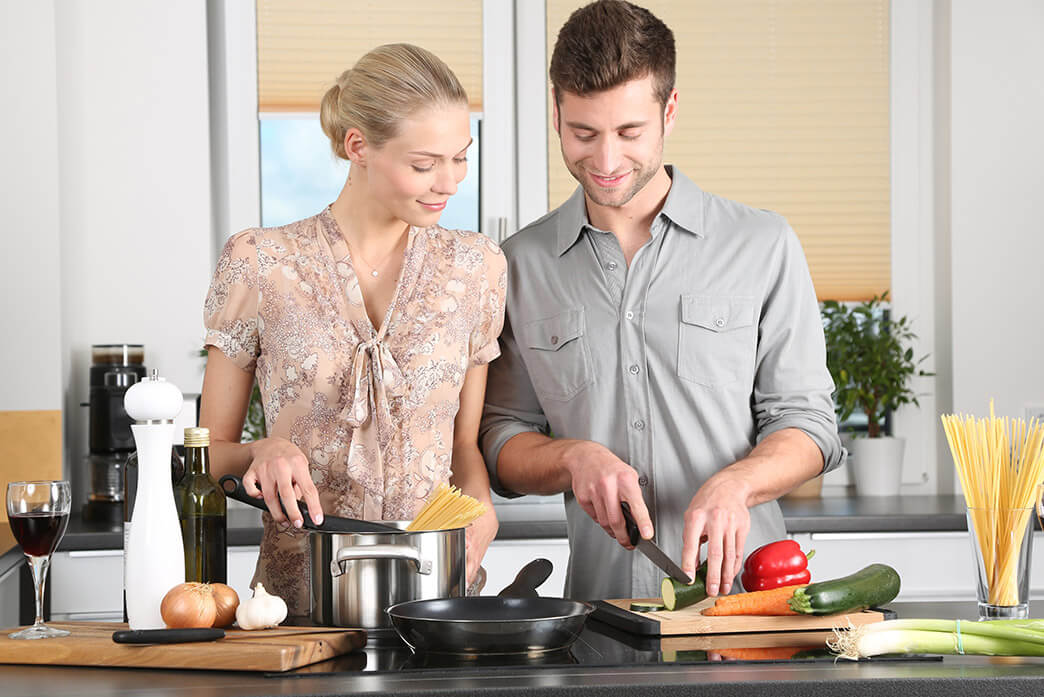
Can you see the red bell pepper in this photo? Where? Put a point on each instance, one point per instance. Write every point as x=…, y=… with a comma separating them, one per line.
x=780, y=563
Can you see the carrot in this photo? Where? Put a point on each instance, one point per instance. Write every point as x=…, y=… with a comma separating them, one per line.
x=770, y=602
x=768, y=653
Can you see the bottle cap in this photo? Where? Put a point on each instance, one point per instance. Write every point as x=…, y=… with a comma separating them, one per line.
x=197, y=437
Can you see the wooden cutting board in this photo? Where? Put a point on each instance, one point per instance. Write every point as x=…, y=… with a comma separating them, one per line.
x=268, y=650
x=690, y=620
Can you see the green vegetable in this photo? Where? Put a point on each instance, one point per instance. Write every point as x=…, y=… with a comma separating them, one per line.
x=646, y=607
x=994, y=638
x=678, y=595
x=875, y=585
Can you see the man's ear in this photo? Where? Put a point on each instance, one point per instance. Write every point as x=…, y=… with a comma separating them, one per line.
x=670, y=112
x=355, y=146
x=554, y=112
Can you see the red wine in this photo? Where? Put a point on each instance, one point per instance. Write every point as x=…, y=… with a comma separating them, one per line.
x=39, y=533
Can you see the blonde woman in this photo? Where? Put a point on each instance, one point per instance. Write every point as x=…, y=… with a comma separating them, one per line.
x=367, y=327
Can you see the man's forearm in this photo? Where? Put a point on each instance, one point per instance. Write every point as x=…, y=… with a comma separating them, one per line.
x=532, y=463
x=779, y=463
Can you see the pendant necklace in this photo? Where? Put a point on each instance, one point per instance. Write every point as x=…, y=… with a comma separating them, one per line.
x=375, y=270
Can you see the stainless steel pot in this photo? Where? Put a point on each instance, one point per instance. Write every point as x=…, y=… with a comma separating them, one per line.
x=355, y=577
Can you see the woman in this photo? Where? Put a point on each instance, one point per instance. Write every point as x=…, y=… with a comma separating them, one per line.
x=368, y=327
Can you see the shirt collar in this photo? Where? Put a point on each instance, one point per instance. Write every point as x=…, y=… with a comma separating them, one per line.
x=683, y=207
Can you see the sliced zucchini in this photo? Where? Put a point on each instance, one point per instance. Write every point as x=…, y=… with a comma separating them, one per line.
x=678, y=595
x=646, y=607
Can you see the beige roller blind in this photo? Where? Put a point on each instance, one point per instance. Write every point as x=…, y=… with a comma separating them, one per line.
x=303, y=45
x=784, y=105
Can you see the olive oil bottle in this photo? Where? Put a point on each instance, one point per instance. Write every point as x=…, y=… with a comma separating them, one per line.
x=202, y=509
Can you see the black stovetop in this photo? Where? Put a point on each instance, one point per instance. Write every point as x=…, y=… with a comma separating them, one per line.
x=599, y=645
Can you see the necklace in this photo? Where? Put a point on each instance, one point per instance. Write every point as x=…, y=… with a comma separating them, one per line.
x=375, y=270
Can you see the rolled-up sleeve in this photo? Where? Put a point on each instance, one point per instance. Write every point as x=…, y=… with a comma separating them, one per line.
x=792, y=386
x=511, y=406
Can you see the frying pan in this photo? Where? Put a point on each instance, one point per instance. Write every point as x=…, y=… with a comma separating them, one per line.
x=515, y=621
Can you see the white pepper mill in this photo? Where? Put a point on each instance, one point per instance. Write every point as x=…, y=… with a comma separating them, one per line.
x=155, y=554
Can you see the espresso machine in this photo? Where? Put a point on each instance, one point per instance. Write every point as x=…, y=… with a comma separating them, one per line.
x=114, y=369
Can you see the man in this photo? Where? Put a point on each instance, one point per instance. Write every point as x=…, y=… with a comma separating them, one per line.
x=669, y=339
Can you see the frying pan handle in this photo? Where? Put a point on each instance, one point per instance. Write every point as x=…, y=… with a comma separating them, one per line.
x=529, y=578
x=379, y=552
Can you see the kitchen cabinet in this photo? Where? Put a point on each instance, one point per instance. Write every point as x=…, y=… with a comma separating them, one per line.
x=505, y=558
x=88, y=585
x=933, y=566
x=9, y=592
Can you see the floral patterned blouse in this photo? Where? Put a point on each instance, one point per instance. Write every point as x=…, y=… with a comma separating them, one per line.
x=372, y=410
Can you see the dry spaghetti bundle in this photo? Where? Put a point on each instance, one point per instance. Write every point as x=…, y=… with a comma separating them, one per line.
x=448, y=508
x=1000, y=462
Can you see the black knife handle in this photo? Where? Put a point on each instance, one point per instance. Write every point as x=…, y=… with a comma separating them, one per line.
x=632, y=527
x=166, y=636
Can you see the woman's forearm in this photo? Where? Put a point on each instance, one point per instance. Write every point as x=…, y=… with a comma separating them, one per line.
x=469, y=473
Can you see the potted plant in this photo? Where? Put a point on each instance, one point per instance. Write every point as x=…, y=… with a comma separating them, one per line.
x=871, y=362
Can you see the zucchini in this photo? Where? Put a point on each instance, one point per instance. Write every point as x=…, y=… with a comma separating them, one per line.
x=646, y=607
x=875, y=585
x=678, y=595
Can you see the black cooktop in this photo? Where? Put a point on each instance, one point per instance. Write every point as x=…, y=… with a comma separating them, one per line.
x=600, y=645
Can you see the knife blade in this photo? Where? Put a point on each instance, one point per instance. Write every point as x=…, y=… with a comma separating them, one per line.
x=650, y=550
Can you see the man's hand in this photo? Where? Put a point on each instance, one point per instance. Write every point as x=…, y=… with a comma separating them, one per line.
x=600, y=481
x=718, y=514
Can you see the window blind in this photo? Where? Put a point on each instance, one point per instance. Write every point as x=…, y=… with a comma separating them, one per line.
x=784, y=105
x=304, y=45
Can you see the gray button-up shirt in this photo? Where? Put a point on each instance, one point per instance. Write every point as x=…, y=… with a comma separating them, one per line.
x=680, y=364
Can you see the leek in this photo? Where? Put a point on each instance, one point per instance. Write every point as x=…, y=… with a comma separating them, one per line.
x=917, y=636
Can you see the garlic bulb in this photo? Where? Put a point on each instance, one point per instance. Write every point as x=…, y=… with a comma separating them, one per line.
x=262, y=611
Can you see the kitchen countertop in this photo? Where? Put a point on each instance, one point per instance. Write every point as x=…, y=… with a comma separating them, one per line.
x=828, y=514
x=626, y=673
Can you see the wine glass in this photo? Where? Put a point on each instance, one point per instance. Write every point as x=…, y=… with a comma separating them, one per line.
x=38, y=513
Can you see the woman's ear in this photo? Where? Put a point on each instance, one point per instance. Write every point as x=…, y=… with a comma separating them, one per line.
x=355, y=147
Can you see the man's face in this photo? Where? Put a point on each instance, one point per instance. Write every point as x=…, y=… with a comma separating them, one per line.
x=612, y=141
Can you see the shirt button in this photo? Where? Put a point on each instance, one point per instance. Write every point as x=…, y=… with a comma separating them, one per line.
x=629, y=315
x=611, y=266
x=635, y=369
x=639, y=425
x=643, y=480
x=554, y=340
x=720, y=322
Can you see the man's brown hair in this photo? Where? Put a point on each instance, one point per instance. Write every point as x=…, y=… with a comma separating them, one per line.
x=609, y=42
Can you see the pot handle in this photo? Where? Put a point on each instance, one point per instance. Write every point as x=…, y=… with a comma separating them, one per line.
x=379, y=552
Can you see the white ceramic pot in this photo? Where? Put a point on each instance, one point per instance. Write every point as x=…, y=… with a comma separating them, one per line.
x=877, y=465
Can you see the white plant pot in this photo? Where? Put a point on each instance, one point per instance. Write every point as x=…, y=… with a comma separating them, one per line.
x=877, y=465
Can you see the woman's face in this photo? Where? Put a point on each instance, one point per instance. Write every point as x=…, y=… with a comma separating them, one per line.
x=416, y=172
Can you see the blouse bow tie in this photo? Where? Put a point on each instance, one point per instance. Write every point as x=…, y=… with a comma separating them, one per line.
x=375, y=378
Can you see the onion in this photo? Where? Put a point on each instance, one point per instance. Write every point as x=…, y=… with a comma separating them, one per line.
x=188, y=605
x=226, y=600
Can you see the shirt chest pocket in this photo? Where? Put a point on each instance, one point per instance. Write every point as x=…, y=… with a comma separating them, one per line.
x=557, y=356
x=716, y=339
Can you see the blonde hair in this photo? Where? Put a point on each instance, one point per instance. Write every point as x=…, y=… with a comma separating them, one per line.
x=386, y=86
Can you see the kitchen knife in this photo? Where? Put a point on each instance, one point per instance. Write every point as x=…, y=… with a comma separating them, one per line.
x=166, y=636
x=233, y=488
x=650, y=550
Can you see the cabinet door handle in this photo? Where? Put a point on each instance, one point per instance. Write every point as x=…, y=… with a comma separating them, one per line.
x=95, y=553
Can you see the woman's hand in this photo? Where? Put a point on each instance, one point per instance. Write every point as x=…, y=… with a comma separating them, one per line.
x=279, y=472
x=478, y=537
